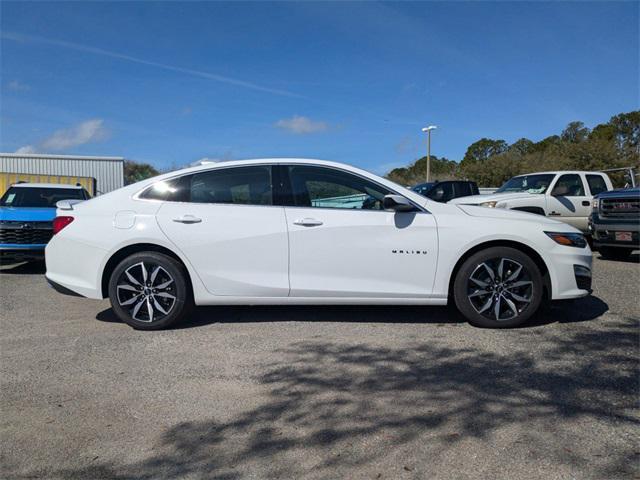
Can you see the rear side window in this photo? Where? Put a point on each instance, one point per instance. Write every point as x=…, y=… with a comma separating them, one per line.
x=463, y=189
x=596, y=184
x=568, y=185
x=241, y=186
x=172, y=190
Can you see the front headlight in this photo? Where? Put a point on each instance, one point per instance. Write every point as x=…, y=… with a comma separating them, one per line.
x=568, y=239
x=595, y=204
x=488, y=204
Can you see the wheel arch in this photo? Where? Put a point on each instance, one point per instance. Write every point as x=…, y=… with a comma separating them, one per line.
x=535, y=256
x=124, y=252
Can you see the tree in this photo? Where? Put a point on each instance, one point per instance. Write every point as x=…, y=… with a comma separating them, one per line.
x=483, y=149
x=490, y=162
x=627, y=130
x=522, y=146
x=575, y=132
x=134, y=171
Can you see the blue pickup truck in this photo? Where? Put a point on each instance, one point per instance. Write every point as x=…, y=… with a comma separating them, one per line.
x=26, y=214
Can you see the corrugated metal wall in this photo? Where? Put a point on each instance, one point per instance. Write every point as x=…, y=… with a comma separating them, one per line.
x=108, y=171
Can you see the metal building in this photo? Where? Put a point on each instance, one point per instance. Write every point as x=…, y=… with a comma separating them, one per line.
x=107, y=172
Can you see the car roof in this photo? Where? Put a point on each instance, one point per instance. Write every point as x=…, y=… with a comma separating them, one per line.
x=558, y=172
x=45, y=185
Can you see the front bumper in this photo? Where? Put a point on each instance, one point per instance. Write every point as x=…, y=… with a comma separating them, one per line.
x=570, y=270
x=20, y=253
x=603, y=231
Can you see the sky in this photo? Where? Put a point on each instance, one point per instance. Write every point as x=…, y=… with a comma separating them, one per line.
x=170, y=83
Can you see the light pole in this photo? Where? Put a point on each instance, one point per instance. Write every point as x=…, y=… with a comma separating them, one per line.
x=428, y=130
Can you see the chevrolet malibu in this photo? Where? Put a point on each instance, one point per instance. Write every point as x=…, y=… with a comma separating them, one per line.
x=294, y=231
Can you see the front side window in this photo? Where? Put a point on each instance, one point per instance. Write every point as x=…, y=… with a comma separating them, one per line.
x=323, y=187
x=568, y=185
x=527, y=183
x=41, y=197
x=596, y=184
x=241, y=185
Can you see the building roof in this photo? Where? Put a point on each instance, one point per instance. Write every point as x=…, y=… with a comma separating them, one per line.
x=62, y=157
x=45, y=185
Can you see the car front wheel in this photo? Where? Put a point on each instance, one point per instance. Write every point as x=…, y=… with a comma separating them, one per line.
x=150, y=291
x=499, y=287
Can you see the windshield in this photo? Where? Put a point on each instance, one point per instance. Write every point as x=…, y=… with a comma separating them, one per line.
x=40, y=196
x=527, y=183
x=423, y=188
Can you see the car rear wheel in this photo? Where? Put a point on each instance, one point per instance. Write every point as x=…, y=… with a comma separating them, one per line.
x=150, y=291
x=499, y=287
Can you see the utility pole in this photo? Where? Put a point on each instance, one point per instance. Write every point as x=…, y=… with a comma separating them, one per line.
x=428, y=130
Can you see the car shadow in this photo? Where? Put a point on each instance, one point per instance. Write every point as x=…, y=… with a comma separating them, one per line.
x=24, y=268
x=633, y=258
x=581, y=310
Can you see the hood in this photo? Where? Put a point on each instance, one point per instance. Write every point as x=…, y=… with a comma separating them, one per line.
x=503, y=213
x=620, y=193
x=494, y=197
x=27, y=214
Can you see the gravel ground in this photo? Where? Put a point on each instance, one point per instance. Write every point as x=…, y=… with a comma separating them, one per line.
x=339, y=392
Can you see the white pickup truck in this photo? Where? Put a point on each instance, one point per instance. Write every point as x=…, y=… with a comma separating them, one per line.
x=566, y=195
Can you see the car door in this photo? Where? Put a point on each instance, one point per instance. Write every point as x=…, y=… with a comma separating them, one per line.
x=569, y=201
x=343, y=244
x=227, y=226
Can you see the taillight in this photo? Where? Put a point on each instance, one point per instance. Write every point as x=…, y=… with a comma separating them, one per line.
x=60, y=222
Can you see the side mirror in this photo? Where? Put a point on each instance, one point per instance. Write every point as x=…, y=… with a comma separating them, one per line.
x=397, y=203
x=437, y=195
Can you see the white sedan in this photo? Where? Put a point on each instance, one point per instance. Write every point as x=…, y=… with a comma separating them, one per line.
x=294, y=231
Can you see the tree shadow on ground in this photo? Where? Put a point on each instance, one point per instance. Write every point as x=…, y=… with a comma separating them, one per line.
x=331, y=410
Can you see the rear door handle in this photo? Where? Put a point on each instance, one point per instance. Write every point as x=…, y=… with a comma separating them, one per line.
x=187, y=219
x=585, y=203
x=308, y=222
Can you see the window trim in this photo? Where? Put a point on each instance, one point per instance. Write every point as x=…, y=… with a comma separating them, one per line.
x=288, y=190
x=271, y=166
x=279, y=180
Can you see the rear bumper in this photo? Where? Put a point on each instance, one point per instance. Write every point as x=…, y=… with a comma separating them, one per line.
x=61, y=289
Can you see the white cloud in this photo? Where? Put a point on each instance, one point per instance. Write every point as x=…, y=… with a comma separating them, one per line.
x=86, y=132
x=301, y=125
x=27, y=149
x=18, y=86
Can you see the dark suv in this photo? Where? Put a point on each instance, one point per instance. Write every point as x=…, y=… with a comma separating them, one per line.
x=446, y=190
x=615, y=222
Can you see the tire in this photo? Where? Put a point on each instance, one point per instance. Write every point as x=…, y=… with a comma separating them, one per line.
x=615, y=253
x=517, y=294
x=150, y=291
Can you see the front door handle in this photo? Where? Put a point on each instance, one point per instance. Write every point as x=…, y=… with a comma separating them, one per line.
x=188, y=219
x=585, y=203
x=308, y=222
